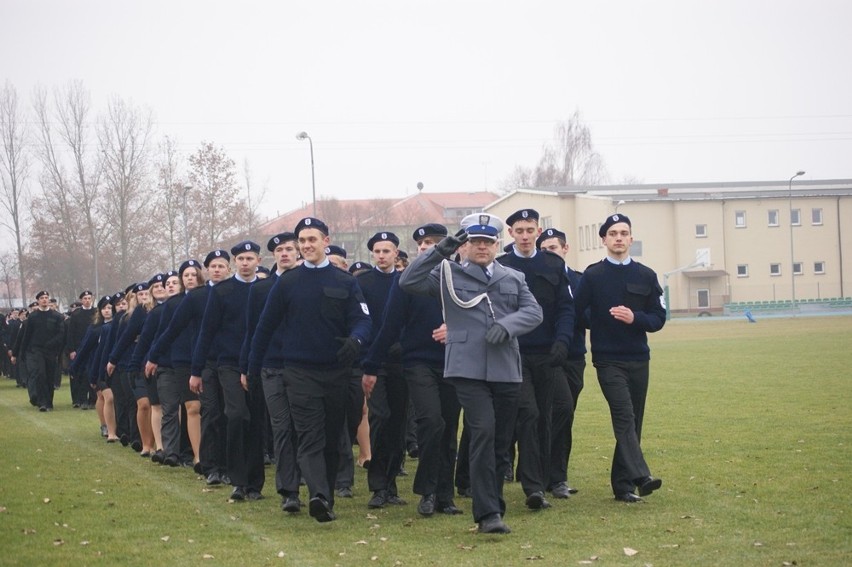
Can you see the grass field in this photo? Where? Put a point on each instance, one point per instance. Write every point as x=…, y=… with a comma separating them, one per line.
x=750, y=427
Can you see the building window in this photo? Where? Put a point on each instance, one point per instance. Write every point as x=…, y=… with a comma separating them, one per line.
x=816, y=217
x=819, y=268
x=796, y=217
x=701, y=231
x=740, y=219
x=773, y=217
x=588, y=239
x=546, y=222
x=580, y=238
x=742, y=270
x=703, y=298
x=774, y=269
x=797, y=268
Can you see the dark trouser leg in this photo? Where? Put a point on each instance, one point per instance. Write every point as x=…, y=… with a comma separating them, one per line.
x=254, y=440
x=120, y=397
x=286, y=468
x=624, y=385
x=36, y=378
x=317, y=399
x=463, y=457
x=213, y=423
x=354, y=406
x=239, y=421
x=568, y=382
x=534, y=422
x=387, y=404
x=437, y=412
x=490, y=409
x=168, y=391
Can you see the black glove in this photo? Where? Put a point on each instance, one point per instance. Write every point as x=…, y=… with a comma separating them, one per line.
x=558, y=353
x=349, y=352
x=496, y=334
x=450, y=244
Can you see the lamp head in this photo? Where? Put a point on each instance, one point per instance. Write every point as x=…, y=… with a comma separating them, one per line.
x=302, y=135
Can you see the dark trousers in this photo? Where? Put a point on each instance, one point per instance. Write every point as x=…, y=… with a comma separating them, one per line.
x=436, y=411
x=388, y=405
x=463, y=458
x=287, y=473
x=41, y=369
x=79, y=388
x=490, y=409
x=533, y=426
x=625, y=385
x=245, y=414
x=213, y=423
x=125, y=405
x=170, y=392
x=317, y=398
x=353, y=412
x=568, y=384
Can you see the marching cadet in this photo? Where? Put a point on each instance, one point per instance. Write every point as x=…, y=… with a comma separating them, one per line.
x=568, y=379
x=83, y=364
x=41, y=341
x=78, y=324
x=542, y=349
x=170, y=362
x=625, y=303
x=326, y=320
x=158, y=291
x=271, y=376
x=337, y=256
x=102, y=381
x=224, y=325
x=413, y=321
x=486, y=307
x=388, y=402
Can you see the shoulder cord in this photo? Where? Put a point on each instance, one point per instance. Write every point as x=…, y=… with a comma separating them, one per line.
x=447, y=272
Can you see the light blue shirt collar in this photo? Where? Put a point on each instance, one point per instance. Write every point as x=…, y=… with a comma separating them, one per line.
x=240, y=279
x=311, y=265
x=617, y=263
x=520, y=254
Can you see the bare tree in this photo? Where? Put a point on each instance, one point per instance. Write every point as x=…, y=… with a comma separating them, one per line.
x=15, y=167
x=77, y=191
x=123, y=135
x=8, y=267
x=570, y=159
x=168, y=202
x=253, y=199
x=214, y=196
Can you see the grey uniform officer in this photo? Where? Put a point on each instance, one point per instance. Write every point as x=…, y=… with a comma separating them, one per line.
x=486, y=307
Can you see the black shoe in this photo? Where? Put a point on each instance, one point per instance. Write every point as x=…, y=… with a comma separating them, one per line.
x=158, y=456
x=197, y=468
x=267, y=460
x=76, y=406
x=648, y=485
x=395, y=500
x=379, y=499
x=145, y=454
x=413, y=451
x=291, y=504
x=466, y=492
x=493, y=524
x=628, y=497
x=402, y=471
x=238, y=494
x=427, y=505
x=536, y=501
x=509, y=476
x=42, y=408
x=448, y=508
x=213, y=479
x=104, y=432
x=253, y=494
x=344, y=492
x=136, y=445
x=125, y=440
x=171, y=461
x=320, y=510
x=560, y=490
x=225, y=478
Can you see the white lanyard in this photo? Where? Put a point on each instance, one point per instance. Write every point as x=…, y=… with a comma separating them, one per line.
x=447, y=272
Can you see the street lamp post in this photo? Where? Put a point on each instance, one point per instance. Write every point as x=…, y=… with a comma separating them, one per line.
x=304, y=136
x=792, y=257
x=186, y=189
x=618, y=204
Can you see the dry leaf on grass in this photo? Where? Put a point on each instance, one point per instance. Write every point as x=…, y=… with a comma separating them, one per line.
x=630, y=552
x=535, y=557
x=165, y=538
x=361, y=542
x=46, y=500
x=207, y=556
x=58, y=542
x=84, y=542
x=281, y=554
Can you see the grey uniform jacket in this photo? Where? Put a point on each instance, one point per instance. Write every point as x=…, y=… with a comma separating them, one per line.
x=514, y=307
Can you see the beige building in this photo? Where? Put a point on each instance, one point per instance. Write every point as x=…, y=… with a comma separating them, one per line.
x=715, y=244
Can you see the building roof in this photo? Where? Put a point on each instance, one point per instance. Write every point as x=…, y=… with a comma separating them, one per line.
x=349, y=215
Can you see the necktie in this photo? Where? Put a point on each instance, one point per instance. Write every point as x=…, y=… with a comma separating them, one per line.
x=485, y=271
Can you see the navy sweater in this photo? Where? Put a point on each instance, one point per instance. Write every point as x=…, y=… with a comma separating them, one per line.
x=146, y=337
x=224, y=321
x=605, y=285
x=258, y=293
x=577, y=349
x=409, y=319
x=316, y=306
x=548, y=282
x=128, y=331
x=85, y=350
x=173, y=352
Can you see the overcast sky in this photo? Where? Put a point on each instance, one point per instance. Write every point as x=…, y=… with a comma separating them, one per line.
x=457, y=93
